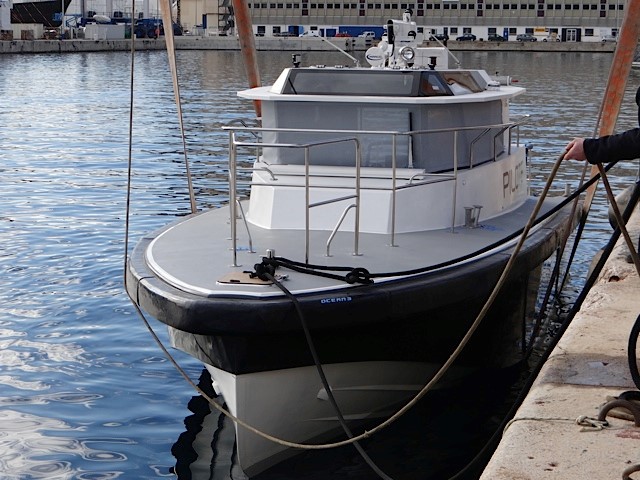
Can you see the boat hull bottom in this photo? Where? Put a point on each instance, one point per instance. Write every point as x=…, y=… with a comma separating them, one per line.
x=293, y=405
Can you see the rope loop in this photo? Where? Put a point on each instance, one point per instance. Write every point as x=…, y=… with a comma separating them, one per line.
x=358, y=275
x=632, y=407
x=591, y=424
x=264, y=270
x=626, y=474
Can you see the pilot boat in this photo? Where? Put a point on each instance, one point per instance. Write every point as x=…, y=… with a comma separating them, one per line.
x=384, y=203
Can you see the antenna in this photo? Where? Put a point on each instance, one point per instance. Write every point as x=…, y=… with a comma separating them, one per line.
x=355, y=60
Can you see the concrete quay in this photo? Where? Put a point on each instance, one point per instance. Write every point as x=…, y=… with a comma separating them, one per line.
x=189, y=42
x=587, y=369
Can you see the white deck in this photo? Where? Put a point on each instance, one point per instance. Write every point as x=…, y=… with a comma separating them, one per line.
x=195, y=255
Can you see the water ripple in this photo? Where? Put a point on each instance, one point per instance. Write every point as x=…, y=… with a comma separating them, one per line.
x=28, y=453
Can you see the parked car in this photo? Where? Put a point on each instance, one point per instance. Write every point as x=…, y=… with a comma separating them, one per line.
x=467, y=37
x=551, y=38
x=343, y=34
x=443, y=37
x=368, y=35
x=609, y=38
x=496, y=38
x=526, y=37
x=309, y=33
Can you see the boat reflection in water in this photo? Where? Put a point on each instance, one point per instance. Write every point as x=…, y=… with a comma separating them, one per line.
x=206, y=449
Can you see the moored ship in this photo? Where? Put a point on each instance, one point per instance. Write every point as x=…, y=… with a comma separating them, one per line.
x=45, y=12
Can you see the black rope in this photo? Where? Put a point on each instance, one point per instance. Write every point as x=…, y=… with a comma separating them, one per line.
x=580, y=229
x=353, y=275
x=578, y=236
x=635, y=330
x=606, y=251
x=539, y=318
x=323, y=378
x=631, y=353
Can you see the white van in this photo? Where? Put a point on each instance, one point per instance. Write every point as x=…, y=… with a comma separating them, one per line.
x=368, y=34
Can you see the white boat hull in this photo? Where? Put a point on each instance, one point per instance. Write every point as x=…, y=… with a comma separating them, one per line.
x=293, y=405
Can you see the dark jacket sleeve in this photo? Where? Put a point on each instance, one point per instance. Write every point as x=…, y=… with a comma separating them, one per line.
x=623, y=146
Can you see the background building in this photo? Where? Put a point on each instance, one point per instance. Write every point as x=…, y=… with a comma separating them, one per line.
x=566, y=20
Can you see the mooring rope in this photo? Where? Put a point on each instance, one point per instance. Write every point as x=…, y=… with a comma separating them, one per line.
x=619, y=220
x=323, y=377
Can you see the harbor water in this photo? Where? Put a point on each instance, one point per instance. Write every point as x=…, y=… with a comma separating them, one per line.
x=85, y=392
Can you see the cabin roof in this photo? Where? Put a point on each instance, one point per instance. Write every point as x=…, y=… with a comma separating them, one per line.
x=265, y=94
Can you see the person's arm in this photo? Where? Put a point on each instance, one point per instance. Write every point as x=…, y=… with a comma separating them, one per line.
x=623, y=146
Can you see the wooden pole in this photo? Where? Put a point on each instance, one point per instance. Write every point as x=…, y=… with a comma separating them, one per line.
x=167, y=22
x=248, y=47
x=618, y=75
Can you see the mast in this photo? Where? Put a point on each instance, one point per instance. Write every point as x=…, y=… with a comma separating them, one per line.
x=248, y=47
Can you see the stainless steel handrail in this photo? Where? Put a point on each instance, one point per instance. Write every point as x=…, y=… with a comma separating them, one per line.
x=444, y=178
x=474, y=142
x=335, y=229
x=455, y=181
x=356, y=227
x=253, y=169
x=495, y=140
x=235, y=143
x=233, y=198
x=370, y=132
x=233, y=149
x=246, y=225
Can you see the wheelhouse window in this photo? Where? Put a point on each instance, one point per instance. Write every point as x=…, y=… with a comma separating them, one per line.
x=315, y=82
x=433, y=85
x=380, y=83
